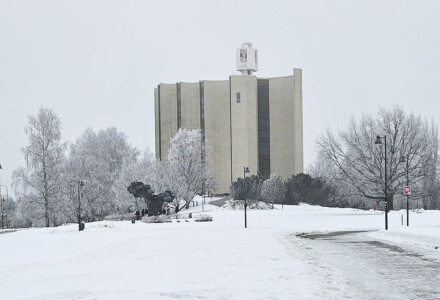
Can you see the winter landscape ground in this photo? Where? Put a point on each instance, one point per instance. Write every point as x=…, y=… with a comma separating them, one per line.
x=298, y=252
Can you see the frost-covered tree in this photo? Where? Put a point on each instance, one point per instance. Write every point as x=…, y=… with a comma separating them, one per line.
x=38, y=184
x=73, y=184
x=98, y=158
x=142, y=169
x=188, y=168
x=429, y=187
x=211, y=185
x=273, y=189
x=358, y=164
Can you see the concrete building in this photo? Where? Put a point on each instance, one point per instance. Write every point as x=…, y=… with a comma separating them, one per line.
x=248, y=121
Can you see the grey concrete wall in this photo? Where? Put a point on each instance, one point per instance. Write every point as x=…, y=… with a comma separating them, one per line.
x=298, y=121
x=286, y=125
x=168, y=116
x=282, y=131
x=156, y=124
x=231, y=128
x=244, y=118
x=190, y=101
x=217, y=132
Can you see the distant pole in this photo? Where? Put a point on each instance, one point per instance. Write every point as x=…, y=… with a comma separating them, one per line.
x=244, y=179
x=203, y=201
x=245, y=170
x=379, y=142
x=386, y=186
x=407, y=195
x=1, y=201
x=80, y=184
x=403, y=159
x=7, y=201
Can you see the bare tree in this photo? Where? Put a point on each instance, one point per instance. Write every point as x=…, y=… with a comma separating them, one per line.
x=359, y=164
x=39, y=182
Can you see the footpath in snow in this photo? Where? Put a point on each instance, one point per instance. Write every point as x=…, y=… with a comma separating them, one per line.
x=210, y=260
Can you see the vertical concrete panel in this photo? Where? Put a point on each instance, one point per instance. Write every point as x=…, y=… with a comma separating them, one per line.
x=217, y=131
x=244, y=125
x=282, y=126
x=298, y=121
x=190, y=99
x=168, y=116
x=156, y=124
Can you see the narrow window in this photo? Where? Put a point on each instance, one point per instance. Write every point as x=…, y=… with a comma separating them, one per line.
x=238, y=98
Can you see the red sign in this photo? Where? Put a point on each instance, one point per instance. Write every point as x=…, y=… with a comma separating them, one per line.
x=407, y=190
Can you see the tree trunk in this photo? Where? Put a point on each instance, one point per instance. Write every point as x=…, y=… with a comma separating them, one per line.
x=46, y=211
x=390, y=201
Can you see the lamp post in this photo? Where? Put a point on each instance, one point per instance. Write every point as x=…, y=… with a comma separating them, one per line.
x=80, y=184
x=1, y=201
x=245, y=170
x=7, y=200
x=402, y=160
x=203, y=201
x=379, y=142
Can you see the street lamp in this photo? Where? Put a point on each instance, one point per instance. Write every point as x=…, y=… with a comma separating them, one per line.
x=80, y=225
x=245, y=170
x=379, y=142
x=1, y=201
x=7, y=200
x=402, y=160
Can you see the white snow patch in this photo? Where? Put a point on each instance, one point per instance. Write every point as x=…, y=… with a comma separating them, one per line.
x=188, y=260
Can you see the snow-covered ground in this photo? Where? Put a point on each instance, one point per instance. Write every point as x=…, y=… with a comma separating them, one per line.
x=215, y=260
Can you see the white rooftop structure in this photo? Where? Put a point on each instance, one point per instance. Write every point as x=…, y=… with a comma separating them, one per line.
x=247, y=59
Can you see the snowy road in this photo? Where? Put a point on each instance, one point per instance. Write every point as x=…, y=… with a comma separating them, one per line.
x=360, y=267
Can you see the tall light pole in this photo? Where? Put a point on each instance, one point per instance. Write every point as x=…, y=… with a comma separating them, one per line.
x=402, y=160
x=80, y=184
x=379, y=142
x=203, y=201
x=1, y=201
x=245, y=170
x=7, y=200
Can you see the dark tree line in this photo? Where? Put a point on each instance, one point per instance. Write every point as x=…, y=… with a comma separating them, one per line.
x=297, y=188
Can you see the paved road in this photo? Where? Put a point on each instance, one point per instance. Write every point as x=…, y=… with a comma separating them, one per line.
x=369, y=269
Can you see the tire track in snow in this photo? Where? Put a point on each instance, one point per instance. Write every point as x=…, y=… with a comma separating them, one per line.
x=371, y=268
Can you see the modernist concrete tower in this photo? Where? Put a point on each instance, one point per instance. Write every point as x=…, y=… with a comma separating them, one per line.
x=248, y=121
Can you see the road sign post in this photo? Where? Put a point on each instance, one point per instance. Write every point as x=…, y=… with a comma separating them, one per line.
x=407, y=192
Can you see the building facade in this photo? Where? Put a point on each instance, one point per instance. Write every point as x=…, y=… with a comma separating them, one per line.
x=247, y=121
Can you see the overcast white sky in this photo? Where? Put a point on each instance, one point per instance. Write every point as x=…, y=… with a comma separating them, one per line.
x=96, y=63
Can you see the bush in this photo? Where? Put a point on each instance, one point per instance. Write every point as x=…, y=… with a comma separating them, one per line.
x=157, y=219
x=239, y=204
x=247, y=189
x=203, y=218
x=119, y=217
x=273, y=189
x=179, y=216
x=315, y=191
